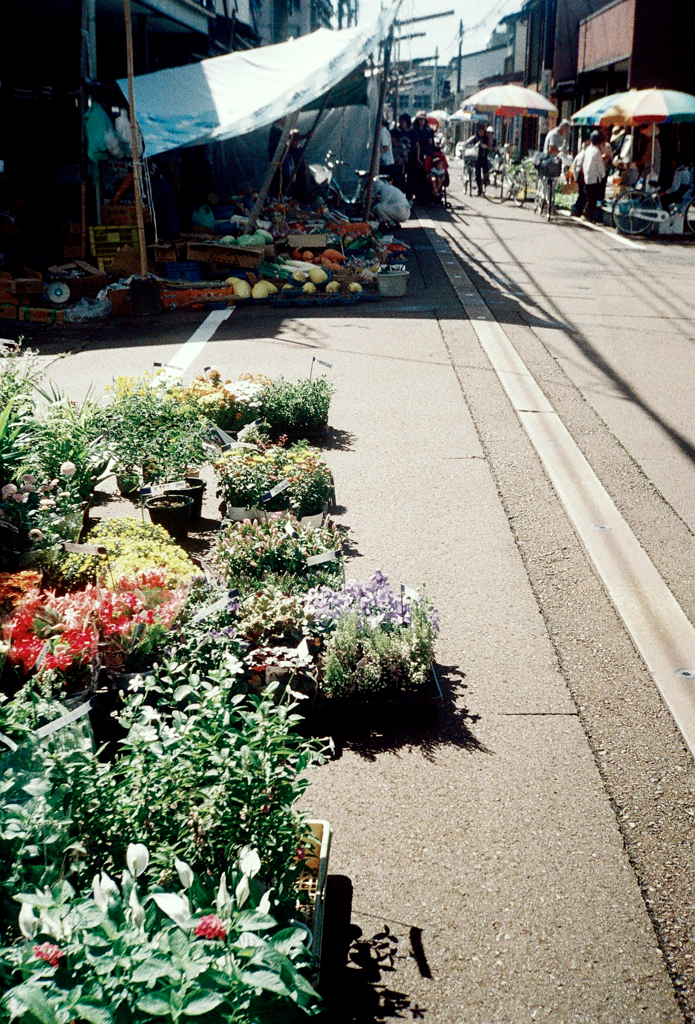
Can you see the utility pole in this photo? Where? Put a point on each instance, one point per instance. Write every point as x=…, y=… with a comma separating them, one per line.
x=376, y=147
x=433, y=98
x=458, y=73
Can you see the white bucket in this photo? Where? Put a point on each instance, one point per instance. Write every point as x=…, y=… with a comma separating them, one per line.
x=393, y=284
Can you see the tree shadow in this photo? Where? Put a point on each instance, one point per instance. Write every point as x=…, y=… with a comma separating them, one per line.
x=424, y=725
x=338, y=440
x=355, y=968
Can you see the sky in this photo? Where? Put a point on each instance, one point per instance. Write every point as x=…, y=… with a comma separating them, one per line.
x=479, y=18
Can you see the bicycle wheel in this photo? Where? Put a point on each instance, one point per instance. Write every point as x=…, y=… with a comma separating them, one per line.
x=633, y=212
x=541, y=197
x=520, y=187
x=551, y=197
x=689, y=217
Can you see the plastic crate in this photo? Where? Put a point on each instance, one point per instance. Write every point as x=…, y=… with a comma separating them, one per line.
x=106, y=239
x=186, y=271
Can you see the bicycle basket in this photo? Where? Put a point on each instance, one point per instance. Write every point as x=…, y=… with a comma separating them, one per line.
x=550, y=166
x=470, y=155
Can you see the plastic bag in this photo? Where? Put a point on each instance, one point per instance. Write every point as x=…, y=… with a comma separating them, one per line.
x=203, y=217
x=88, y=309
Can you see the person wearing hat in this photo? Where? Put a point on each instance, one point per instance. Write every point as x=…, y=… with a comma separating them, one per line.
x=556, y=139
x=594, y=173
x=423, y=145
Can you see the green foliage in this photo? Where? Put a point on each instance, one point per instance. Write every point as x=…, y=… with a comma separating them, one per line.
x=292, y=408
x=276, y=550
x=245, y=474
x=19, y=376
x=363, y=661
x=129, y=955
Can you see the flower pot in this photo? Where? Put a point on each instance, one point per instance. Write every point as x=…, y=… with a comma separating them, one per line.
x=127, y=483
x=195, y=488
x=172, y=511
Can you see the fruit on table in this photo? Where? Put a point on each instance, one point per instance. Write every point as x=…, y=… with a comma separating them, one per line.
x=317, y=275
x=241, y=288
x=354, y=286
x=261, y=290
x=299, y=276
x=309, y=288
x=332, y=287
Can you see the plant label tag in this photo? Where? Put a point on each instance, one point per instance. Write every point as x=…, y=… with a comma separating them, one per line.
x=321, y=362
x=8, y=526
x=408, y=594
x=72, y=716
x=168, y=366
x=278, y=489
x=8, y=742
x=42, y=654
x=84, y=549
x=212, y=609
x=224, y=437
x=241, y=434
x=312, y=522
x=290, y=530
x=325, y=556
x=303, y=649
x=175, y=485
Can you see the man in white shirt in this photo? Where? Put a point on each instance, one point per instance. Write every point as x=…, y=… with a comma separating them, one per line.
x=385, y=150
x=556, y=139
x=594, y=172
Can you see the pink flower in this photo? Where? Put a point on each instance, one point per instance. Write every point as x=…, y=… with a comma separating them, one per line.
x=48, y=952
x=210, y=927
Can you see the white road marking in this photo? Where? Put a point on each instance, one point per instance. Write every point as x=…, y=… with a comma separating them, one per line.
x=657, y=624
x=614, y=235
x=191, y=349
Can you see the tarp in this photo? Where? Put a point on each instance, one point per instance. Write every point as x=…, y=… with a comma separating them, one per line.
x=224, y=97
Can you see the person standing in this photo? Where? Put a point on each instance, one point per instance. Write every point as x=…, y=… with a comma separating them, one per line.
x=481, y=164
x=385, y=150
x=556, y=139
x=423, y=144
x=577, y=171
x=401, y=143
x=594, y=171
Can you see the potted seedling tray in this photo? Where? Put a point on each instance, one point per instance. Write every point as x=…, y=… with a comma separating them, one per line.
x=429, y=696
x=312, y=882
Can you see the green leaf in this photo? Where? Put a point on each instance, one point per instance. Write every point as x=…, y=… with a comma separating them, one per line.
x=35, y=1001
x=94, y=1014
x=153, y=969
x=182, y=691
x=265, y=980
x=153, y=1005
x=197, y=1007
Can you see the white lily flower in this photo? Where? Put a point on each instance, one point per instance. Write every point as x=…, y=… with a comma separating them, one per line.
x=111, y=892
x=249, y=861
x=176, y=907
x=100, y=897
x=264, y=902
x=68, y=469
x=137, y=909
x=51, y=925
x=223, y=898
x=242, y=891
x=137, y=858
x=28, y=921
x=185, y=872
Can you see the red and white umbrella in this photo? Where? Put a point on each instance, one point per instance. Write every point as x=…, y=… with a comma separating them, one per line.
x=509, y=101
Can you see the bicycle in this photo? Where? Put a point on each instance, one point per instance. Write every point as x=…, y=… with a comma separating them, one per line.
x=468, y=177
x=549, y=169
x=507, y=181
x=638, y=211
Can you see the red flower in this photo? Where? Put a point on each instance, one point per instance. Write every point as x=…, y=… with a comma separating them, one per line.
x=210, y=927
x=48, y=952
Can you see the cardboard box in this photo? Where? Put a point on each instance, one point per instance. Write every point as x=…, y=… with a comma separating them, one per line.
x=307, y=241
x=245, y=256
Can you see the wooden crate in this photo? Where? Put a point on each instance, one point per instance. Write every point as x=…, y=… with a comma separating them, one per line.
x=248, y=257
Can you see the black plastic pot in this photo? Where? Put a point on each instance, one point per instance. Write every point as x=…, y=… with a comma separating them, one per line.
x=195, y=488
x=172, y=511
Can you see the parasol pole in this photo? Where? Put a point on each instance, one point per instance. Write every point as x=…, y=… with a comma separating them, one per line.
x=376, y=148
x=139, y=214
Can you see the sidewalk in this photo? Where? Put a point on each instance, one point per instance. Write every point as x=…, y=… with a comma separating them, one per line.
x=486, y=872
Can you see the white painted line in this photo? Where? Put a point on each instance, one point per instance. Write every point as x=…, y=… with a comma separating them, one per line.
x=191, y=349
x=657, y=624
x=614, y=235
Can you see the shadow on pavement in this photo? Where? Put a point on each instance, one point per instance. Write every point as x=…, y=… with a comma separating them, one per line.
x=507, y=309
x=355, y=968
x=426, y=726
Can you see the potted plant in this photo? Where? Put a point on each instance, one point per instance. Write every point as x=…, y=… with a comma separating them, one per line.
x=172, y=511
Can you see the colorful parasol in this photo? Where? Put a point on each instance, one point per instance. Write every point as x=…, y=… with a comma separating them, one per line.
x=639, y=106
x=509, y=101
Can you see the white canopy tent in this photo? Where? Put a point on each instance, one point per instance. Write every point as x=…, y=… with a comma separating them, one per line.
x=225, y=97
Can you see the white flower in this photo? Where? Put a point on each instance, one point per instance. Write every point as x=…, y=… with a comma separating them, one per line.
x=100, y=897
x=28, y=488
x=20, y=498
x=28, y=921
x=223, y=899
x=51, y=925
x=35, y=534
x=53, y=483
x=137, y=858
x=185, y=872
x=175, y=907
x=264, y=903
x=8, y=490
x=68, y=469
x=242, y=891
x=137, y=909
x=28, y=478
x=249, y=862
x=46, y=503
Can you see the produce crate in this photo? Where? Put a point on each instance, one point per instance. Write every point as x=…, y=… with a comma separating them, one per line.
x=307, y=241
x=167, y=252
x=248, y=257
x=121, y=214
x=105, y=241
x=313, y=880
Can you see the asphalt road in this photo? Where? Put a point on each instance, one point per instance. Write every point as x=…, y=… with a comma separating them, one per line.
x=526, y=854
